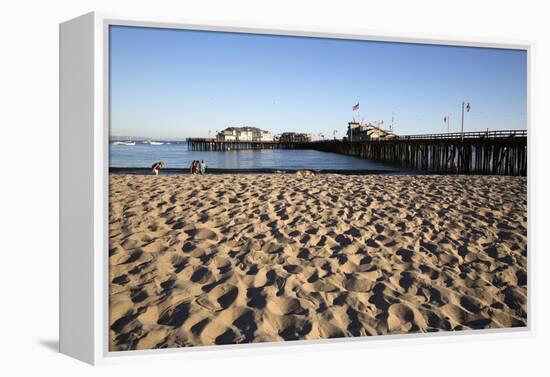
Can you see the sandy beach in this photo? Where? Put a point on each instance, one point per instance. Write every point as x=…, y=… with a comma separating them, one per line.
x=220, y=259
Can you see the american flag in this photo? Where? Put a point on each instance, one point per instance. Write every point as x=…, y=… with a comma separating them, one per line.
x=355, y=107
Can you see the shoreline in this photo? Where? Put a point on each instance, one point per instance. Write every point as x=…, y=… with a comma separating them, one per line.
x=217, y=171
x=252, y=171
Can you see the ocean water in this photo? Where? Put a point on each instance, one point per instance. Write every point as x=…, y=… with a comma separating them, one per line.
x=176, y=155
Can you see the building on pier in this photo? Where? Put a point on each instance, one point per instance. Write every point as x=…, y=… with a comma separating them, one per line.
x=368, y=131
x=294, y=137
x=246, y=133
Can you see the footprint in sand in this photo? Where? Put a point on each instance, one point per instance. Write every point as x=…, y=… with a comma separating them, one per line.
x=201, y=275
x=202, y=234
x=285, y=306
x=219, y=298
x=175, y=316
x=120, y=280
x=402, y=317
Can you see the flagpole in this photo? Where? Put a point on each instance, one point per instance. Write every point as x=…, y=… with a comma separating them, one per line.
x=351, y=126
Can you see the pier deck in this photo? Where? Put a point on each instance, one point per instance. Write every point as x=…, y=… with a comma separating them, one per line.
x=211, y=145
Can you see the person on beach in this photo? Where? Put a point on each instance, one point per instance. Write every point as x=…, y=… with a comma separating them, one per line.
x=157, y=166
x=202, y=167
x=196, y=167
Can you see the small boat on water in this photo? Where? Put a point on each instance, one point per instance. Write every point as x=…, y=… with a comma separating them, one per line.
x=125, y=142
x=156, y=142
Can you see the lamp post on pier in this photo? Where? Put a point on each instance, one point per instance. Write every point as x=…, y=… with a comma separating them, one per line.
x=467, y=106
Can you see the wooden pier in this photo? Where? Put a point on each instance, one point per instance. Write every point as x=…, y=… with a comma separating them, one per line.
x=214, y=145
x=495, y=152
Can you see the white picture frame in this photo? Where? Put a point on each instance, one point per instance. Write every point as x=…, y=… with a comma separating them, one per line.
x=84, y=119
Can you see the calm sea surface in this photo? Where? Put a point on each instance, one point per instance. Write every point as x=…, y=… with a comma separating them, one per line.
x=177, y=156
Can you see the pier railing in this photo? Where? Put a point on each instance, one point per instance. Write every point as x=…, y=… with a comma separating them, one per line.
x=466, y=135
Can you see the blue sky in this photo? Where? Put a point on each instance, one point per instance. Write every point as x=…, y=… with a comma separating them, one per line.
x=178, y=83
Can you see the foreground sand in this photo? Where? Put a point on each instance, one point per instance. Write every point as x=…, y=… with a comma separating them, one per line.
x=201, y=260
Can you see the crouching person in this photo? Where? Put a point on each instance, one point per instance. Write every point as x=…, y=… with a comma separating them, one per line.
x=157, y=166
